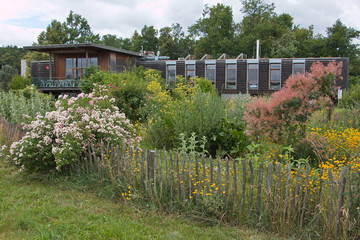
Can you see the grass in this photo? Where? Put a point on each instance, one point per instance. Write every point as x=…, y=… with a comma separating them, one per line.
x=58, y=208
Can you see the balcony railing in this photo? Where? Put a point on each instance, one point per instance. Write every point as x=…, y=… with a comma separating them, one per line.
x=56, y=83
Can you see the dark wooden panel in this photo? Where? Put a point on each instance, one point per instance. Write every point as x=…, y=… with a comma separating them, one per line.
x=180, y=68
x=264, y=75
x=123, y=61
x=200, y=68
x=241, y=75
x=158, y=65
x=286, y=70
x=220, y=76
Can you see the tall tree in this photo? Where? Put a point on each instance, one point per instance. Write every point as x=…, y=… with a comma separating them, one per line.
x=136, y=42
x=78, y=30
x=214, y=32
x=261, y=22
x=74, y=30
x=149, y=38
x=339, y=44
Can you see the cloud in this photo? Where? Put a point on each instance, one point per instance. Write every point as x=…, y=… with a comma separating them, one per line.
x=22, y=20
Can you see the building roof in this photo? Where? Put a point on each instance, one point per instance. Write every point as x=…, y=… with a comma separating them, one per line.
x=79, y=47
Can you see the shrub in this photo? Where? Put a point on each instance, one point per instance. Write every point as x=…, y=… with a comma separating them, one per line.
x=27, y=101
x=19, y=82
x=351, y=97
x=61, y=136
x=283, y=117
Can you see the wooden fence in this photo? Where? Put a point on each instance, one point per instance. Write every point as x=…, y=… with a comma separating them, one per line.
x=282, y=198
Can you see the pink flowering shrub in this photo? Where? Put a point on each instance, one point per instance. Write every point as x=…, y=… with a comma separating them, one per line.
x=285, y=113
x=61, y=136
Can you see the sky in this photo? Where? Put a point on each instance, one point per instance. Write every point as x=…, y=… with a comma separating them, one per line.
x=21, y=21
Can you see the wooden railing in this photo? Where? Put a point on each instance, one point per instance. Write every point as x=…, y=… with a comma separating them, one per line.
x=56, y=83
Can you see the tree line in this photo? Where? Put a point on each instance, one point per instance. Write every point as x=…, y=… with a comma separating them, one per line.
x=215, y=33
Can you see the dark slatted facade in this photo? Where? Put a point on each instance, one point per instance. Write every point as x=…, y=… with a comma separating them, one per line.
x=263, y=73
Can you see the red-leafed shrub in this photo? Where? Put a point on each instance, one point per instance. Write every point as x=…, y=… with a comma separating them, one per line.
x=283, y=116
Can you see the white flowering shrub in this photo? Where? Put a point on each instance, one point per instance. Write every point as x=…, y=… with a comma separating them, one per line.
x=61, y=136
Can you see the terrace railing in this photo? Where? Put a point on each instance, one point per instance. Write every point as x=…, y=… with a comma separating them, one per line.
x=56, y=83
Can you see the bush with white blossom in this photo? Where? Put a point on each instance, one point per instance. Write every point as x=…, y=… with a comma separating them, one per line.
x=62, y=136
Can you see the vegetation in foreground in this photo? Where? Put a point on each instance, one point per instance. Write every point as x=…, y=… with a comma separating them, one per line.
x=45, y=207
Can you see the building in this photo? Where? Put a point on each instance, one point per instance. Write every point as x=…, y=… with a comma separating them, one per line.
x=229, y=76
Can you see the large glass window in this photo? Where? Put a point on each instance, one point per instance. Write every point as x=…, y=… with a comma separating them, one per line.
x=190, y=71
x=171, y=74
x=210, y=72
x=299, y=67
x=75, y=67
x=230, y=82
x=275, y=76
x=253, y=76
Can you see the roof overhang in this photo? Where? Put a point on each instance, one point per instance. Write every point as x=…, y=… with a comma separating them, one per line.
x=79, y=48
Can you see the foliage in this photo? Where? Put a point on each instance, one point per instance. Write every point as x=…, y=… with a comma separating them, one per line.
x=114, y=41
x=283, y=116
x=339, y=43
x=19, y=82
x=11, y=55
x=75, y=29
x=61, y=136
x=27, y=101
x=232, y=140
x=6, y=74
x=215, y=31
x=351, y=97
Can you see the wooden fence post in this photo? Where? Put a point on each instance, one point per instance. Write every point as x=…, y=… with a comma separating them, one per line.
x=150, y=165
x=342, y=182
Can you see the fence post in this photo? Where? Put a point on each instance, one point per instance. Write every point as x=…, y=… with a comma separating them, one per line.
x=342, y=182
x=150, y=165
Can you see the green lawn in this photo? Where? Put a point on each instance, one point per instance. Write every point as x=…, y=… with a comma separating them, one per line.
x=58, y=209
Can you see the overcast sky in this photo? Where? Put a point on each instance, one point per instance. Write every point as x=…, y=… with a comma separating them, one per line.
x=21, y=21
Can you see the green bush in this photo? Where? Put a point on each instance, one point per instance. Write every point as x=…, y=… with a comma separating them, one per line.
x=14, y=105
x=19, y=82
x=351, y=97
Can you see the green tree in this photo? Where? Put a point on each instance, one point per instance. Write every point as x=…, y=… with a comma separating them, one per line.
x=55, y=34
x=78, y=30
x=285, y=46
x=261, y=22
x=149, y=38
x=136, y=42
x=114, y=41
x=339, y=44
x=214, y=31
x=11, y=55
x=6, y=73
x=75, y=29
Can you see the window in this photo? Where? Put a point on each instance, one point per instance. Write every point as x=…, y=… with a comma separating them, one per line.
x=230, y=82
x=171, y=74
x=190, y=71
x=253, y=76
x=210, y=72
x=275, y=76
x=298, y=66
x=74, y=67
